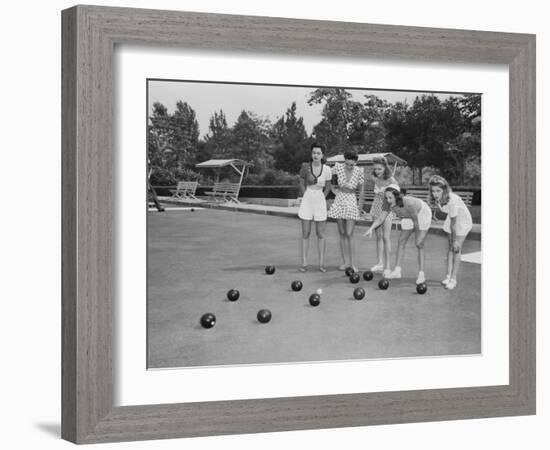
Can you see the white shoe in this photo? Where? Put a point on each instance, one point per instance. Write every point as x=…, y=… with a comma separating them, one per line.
x=342, y=267
x=446, y=280
x=395, y=273
x=377, y=268
x=386, y=273
x=451, y=284
x=421, y=278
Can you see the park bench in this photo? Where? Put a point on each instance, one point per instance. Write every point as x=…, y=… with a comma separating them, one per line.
x=225, y=192
x=185, y=190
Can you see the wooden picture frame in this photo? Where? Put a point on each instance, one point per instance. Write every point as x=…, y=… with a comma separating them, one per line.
x=90, y=34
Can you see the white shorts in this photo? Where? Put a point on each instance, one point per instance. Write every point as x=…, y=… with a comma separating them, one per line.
x=424, y=220
x=313, y=206
x=462, y=227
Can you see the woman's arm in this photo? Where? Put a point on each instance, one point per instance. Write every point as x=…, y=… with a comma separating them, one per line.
x=361, y=197
x=302, y=187
x=379, y=221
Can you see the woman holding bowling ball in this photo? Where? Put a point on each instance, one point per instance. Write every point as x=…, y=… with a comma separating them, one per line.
x=345, y=208
x=416, y=217
x=315, y=179
x=457, y=225
x=382, y=176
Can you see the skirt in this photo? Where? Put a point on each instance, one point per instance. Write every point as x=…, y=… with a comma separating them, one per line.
x=344, y=207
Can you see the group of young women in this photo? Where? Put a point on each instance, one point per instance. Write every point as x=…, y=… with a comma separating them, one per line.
x=345, y=180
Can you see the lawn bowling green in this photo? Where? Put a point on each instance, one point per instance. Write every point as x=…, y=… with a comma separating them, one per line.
x=195, y=258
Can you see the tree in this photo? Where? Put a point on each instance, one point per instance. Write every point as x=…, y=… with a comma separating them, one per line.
x=251, y=142
x=291, y=141
x=218, y=140
x=338, y=114
x=186, y=134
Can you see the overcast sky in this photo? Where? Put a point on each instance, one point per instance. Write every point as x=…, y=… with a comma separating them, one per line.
x=267, y=101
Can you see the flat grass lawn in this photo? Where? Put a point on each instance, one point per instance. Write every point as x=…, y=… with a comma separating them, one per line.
x=194, y=258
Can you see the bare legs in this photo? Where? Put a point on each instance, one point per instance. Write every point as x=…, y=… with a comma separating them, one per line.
x=320, y=228
x=454, y=258
x=345, y=231
x=404, y=236
x=383, y=244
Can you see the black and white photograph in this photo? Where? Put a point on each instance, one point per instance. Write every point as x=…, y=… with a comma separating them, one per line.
x=293, y=224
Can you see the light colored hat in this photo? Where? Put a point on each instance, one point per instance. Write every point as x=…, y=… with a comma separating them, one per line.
x=393, y=186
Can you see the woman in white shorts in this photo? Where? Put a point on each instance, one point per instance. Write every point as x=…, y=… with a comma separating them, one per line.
x=457, y=225
x=315, y=179
x=416, y=216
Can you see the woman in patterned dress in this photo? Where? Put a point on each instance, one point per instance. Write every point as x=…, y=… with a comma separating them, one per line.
x=382, y=176
x=345, y=208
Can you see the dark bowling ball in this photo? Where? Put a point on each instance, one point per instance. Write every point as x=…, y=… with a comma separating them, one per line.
x=354, y=278
x=296, y=285
x=368, y=275
x=314, y=299
x=233, y=295
x=192, y=209
x=264, y=315
x=359, y=293
x=421, y=288
x=208, y=320
x=383, y=284
x=349, y=271
x=270, y=270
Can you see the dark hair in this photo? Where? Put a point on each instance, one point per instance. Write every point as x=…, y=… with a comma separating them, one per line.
x=319, y=146
x=384, y=163
x=351, y=154
x=397, y=194
x=441, y=182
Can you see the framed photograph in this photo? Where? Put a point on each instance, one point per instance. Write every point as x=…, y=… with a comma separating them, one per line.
x=278, y=224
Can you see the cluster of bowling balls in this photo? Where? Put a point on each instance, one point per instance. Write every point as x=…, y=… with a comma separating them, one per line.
x=208, y=320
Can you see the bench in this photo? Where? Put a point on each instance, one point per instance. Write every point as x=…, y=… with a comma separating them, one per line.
x=185, y=190
x=225, y=192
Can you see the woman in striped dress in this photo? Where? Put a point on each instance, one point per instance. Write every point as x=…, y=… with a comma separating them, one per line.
x=345, y=208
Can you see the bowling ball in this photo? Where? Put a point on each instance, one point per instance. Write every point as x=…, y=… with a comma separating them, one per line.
x=296, y=285
x=349, y=271
x=314, y=299
x=421, y=288
x=233, y=295
x=359, y=293
x=383, y=284
x=270, y=270
x=354, y=278
x=368, y=275
x=208, y=320
x=264, y=315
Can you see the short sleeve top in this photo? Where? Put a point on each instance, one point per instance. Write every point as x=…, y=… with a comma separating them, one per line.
x=308, y=175
x=409, y=204
x=455, y=206
x=356, y=179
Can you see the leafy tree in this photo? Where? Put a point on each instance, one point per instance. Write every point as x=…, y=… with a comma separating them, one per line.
x=338, y=115
x=219, y=137
x=291, y=143
x=251, y=142
x=186, y=134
